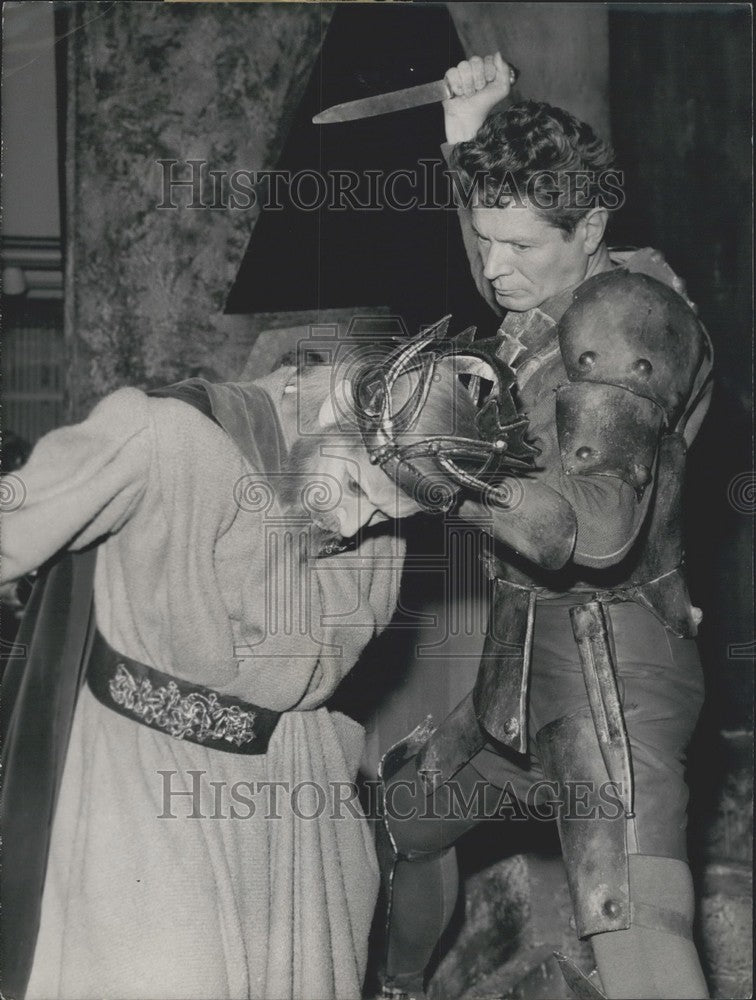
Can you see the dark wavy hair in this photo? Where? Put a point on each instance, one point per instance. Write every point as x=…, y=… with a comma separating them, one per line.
x=541, y=155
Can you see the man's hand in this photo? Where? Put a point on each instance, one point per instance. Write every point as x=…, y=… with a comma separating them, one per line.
x=477, y=85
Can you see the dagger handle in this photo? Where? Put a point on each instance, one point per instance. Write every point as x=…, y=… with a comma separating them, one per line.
x=514, y=76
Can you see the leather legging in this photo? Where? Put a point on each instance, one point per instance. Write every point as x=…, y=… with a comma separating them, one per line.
x=661, y=689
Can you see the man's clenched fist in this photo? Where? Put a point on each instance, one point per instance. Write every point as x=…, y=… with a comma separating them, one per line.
x=477, y=84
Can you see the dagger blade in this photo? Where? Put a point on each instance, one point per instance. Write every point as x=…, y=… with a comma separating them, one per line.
x=382, y=104
x=396, y=100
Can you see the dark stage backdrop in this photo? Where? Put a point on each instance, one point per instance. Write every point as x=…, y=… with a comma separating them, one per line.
x=409, y=260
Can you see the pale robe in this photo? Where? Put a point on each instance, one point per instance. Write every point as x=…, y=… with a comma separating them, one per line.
x=138, y=904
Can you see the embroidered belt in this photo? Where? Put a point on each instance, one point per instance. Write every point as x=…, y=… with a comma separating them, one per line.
x=176, y=707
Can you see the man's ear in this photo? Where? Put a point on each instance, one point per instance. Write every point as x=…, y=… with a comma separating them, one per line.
x=594, y=224
x=337, y=409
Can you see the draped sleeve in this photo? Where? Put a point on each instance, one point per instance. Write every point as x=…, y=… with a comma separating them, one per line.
x=80, y=483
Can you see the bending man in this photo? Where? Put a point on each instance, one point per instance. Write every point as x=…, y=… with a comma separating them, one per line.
x=177, y=813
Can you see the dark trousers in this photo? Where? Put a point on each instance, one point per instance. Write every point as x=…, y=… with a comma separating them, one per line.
x=661, y=689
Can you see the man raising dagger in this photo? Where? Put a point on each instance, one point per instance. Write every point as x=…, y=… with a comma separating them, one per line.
x=590, y=671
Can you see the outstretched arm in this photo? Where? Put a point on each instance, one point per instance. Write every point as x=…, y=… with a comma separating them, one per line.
x=540, y=524
x=80, y=483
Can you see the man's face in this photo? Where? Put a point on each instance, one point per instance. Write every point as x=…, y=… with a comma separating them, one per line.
x=367, y=494
x=526, y=259
x=333, y=484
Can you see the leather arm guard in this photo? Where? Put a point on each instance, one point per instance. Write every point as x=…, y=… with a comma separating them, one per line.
x=634, y=352
x=540, y=524
x=604, y=430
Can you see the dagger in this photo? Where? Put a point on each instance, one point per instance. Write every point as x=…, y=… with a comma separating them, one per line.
x=397, y=100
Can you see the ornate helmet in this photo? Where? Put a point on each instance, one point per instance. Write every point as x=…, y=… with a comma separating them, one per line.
x=473, y=463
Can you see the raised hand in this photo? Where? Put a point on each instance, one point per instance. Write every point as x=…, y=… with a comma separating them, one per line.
x=477, y=85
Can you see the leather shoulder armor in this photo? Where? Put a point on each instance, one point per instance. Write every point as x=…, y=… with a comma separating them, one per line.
x=633, y=350
x=630, y=330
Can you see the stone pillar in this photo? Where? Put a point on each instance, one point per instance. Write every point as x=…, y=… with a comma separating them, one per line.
x=146, y=286
x=561, y=50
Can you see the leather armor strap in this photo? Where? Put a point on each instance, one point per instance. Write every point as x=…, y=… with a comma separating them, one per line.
x=176, y=707
x=588, y=987
x=592, y=629
x=450, y=746
x=657, y=918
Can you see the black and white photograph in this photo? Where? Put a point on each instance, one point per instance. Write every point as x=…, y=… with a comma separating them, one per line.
x=377, y=500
